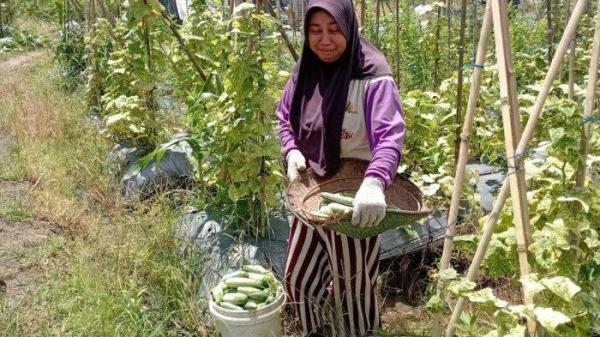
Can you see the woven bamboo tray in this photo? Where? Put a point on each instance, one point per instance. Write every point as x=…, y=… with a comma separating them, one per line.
x=302, y=197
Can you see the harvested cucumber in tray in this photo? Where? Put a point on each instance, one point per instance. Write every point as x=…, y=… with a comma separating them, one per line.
x=250, y=288
x=335, y=205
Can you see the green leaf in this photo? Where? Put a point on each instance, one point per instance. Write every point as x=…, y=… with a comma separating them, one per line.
x=516, y=331
x=562, y=287
x=243, y=9
x=460, y=286
x=430, y=190
x=485, y=296
x=435, y=304
x=584, y=205
x=531, y=285
x=465, y=238
x=550, y=318
x=446, y=275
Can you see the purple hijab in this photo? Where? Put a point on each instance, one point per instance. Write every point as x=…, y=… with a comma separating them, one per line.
x=321, y=89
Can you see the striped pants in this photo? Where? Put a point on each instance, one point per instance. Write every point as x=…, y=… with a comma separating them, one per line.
x=318, y=258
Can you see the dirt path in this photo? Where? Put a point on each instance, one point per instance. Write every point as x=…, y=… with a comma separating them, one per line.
x=19, y=60
x=21, y=236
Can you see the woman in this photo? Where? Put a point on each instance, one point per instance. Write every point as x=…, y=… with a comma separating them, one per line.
x=341, y=102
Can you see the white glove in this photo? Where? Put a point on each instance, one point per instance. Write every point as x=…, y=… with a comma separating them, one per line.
x=369, y=203
x=296, y=163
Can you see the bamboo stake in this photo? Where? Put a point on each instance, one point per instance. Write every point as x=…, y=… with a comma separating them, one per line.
x=459, y=91
x=510, y=117
x=463, y=156
x=484, y=243
x=552, y=72
x=571, y=91
x=362, y=12
x=589, y=103
x=474, y=28
x=490, y=224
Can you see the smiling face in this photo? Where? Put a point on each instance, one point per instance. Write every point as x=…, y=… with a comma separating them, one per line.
x=325, y=38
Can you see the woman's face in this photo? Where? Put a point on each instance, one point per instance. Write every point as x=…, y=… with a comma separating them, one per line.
x=325, y=37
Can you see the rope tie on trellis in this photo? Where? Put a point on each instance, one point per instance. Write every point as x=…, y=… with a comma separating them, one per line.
x=591, y=119
x=471, y=65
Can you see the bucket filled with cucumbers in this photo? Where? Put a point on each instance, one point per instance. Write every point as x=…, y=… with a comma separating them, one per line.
x=247, y=302
x=328, y=202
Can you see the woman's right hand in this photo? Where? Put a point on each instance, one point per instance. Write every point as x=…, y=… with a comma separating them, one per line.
x=296, y=163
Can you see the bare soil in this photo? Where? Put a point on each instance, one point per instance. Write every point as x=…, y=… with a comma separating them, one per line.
x=19, y=60
x=20, y=235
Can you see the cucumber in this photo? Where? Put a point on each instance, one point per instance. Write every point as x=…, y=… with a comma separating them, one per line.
x=340, y=209
x=239, y=273
x=338, y=198
x=235, y=282
x=326, y=210
x=217, y=292
x=254, y=268
x=270, y=299
x=260, y=296
x=230, y=306
x=251, y=305
x=235, y=298
x=265, y=279
x=318, y=214
x=248, y=290
x=255, y=276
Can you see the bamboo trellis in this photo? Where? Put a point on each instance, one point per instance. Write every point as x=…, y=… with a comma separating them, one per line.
x=495, y=17
x=589, y=102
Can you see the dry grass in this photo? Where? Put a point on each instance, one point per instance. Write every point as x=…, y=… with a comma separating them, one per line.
x=120, y=271
x=55, y=150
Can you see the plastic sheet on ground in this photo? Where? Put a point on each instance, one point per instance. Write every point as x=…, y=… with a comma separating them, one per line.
x=225, y=254
x=174, y=168
x=122, y=156
x=222, y=254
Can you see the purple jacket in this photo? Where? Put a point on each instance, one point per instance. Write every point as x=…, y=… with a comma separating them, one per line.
x=384, y=119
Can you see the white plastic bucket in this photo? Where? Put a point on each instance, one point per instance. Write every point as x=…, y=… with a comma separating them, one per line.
x=262, y=322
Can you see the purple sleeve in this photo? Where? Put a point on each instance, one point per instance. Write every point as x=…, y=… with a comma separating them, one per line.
x=286, y=134
x=385, y=129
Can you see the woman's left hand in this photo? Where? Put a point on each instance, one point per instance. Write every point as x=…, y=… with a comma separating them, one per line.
x=369, y=203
